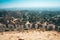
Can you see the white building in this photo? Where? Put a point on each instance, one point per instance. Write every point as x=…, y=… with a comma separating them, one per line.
x=51, y=26
x=28, y=25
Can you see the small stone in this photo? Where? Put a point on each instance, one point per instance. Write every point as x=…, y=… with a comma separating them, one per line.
x=20, y=39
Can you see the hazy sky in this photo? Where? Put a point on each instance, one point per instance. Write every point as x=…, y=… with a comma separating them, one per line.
x=29, y=3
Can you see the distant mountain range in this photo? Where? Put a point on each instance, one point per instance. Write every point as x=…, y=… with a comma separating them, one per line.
x=47, y=9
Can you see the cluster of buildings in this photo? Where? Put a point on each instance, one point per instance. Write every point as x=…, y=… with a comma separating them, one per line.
x=11, y=23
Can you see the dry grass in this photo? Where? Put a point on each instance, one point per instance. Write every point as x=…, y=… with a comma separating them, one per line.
x=30, y=35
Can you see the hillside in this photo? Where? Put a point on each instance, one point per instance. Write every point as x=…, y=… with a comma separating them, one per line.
x=30, y=35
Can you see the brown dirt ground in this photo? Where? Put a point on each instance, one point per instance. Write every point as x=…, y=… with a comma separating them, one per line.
x=30, y=35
